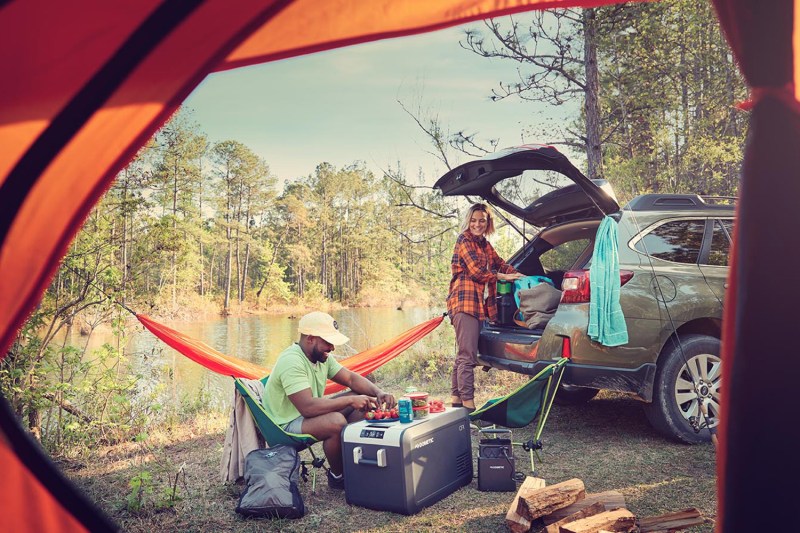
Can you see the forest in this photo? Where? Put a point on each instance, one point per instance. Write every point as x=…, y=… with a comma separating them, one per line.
x=191, y=226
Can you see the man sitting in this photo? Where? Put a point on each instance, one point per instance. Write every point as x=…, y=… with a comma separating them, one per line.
x=294, y=393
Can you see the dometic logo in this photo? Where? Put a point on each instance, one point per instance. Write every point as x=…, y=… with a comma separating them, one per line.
x=423, y=443
x=497, y=467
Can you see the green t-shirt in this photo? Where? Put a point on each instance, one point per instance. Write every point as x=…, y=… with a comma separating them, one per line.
x=293, y=372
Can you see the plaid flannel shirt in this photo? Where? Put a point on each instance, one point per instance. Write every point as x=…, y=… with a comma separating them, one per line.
x=474, y=265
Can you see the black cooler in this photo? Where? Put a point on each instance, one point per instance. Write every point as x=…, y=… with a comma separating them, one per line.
x=389, y=466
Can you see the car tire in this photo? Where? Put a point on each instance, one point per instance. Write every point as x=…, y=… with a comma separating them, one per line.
x=572, y=395
x=694, y=359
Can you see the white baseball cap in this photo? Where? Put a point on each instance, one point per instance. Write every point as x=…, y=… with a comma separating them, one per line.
x=323, y=325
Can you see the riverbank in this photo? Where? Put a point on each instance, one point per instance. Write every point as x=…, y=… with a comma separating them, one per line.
x=607, y=443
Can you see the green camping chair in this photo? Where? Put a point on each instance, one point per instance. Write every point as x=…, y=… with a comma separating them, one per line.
x=275, y=435
x=522, y=406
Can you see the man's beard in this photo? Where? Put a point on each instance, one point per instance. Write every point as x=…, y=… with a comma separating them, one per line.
x=317, y=355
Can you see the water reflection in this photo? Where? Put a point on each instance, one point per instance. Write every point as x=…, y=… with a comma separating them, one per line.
x=259, y=339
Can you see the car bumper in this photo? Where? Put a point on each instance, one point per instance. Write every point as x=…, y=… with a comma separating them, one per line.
x=638, y=381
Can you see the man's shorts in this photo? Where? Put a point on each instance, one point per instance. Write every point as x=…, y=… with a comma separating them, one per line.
x=295, y=426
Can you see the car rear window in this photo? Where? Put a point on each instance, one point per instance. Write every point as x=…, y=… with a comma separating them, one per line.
x=678, y=241
x=563, y=256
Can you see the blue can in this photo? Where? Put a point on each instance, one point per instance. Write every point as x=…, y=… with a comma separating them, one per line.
x=404, y=409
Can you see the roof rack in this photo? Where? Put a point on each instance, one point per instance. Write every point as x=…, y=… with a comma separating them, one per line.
x=688, y=202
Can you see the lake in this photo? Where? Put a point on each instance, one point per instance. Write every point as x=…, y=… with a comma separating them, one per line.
x=256, y=338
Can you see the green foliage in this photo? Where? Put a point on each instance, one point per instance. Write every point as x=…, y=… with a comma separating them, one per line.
x=152, y=490
x=141, y=486
x=666, y=95
x=669, y=88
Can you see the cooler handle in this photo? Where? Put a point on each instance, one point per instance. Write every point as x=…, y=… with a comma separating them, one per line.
x=379, y=461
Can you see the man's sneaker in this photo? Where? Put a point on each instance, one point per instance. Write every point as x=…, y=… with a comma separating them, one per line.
x=334, y=482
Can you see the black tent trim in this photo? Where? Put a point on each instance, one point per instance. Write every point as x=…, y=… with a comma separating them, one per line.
x=158, y=26
x=47, y=473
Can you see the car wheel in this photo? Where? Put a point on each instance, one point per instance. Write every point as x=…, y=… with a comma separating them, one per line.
x=687, y=371
x=572, y=395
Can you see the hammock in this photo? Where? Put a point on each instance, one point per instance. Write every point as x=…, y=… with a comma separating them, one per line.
x=362, y=363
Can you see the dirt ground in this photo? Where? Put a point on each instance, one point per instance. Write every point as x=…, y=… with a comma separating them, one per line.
x=172, y=477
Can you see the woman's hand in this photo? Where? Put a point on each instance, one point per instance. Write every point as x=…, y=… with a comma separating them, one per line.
x=509, y=277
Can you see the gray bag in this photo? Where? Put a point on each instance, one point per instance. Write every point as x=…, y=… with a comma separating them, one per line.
x=271, y=476
x=538, y=304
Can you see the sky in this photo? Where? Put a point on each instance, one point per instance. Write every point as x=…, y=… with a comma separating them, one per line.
x=341, y=106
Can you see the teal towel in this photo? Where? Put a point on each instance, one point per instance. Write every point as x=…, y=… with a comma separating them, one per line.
x=528, y=282
x=606, y=321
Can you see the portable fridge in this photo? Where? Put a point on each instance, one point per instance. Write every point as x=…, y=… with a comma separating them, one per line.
x=402, y=468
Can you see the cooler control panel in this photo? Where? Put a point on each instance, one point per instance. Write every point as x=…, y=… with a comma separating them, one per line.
x=371, y=434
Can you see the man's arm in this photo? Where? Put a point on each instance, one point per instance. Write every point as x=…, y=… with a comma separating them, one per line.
x=310, y=407
x=361, y=385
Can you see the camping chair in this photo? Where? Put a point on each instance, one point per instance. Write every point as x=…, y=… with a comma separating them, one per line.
x=520, y=408
x=275, y=435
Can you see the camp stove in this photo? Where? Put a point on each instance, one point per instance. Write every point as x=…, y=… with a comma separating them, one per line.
x=402, y=468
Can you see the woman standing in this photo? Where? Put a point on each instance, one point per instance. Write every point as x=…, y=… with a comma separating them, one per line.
x=476, y=269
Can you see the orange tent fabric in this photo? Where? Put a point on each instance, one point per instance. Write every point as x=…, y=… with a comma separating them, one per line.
x=362, y=363
x=42, y=511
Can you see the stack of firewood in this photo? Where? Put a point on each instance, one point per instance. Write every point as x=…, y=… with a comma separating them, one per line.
x=567, y=508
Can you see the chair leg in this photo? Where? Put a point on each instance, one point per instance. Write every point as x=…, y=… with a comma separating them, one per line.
x=531, y=447
x=316, y=463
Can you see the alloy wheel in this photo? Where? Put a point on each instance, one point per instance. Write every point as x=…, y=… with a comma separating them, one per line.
x=699, y=380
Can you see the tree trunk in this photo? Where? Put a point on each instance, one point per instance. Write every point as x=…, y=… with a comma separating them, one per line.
x=243, y=286
x=202, y=269
x=123, y=267
x=324, y=267
x=228, y=272
x=175, y=236
x=594, y=152
x=229, y=258
x=238, y=265
x=211, y=268
x=35, y=421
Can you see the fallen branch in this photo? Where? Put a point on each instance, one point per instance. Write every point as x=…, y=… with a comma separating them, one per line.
x=69, y=407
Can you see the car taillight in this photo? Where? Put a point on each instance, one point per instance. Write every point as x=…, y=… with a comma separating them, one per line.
x=566, y=348
x=577, y=289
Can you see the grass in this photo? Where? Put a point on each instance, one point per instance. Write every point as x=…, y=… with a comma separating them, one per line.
x=607, y=443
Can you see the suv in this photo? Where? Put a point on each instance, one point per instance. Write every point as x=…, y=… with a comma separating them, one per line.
x=673, y=253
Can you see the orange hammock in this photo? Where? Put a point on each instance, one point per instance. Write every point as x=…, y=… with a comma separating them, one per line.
x=362, y=363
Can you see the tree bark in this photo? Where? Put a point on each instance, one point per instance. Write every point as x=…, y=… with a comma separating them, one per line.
x=611, y=499
x=515, y=521
x=594, y=152
x=541, y=502
x=595, y=508
x=618, y=520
